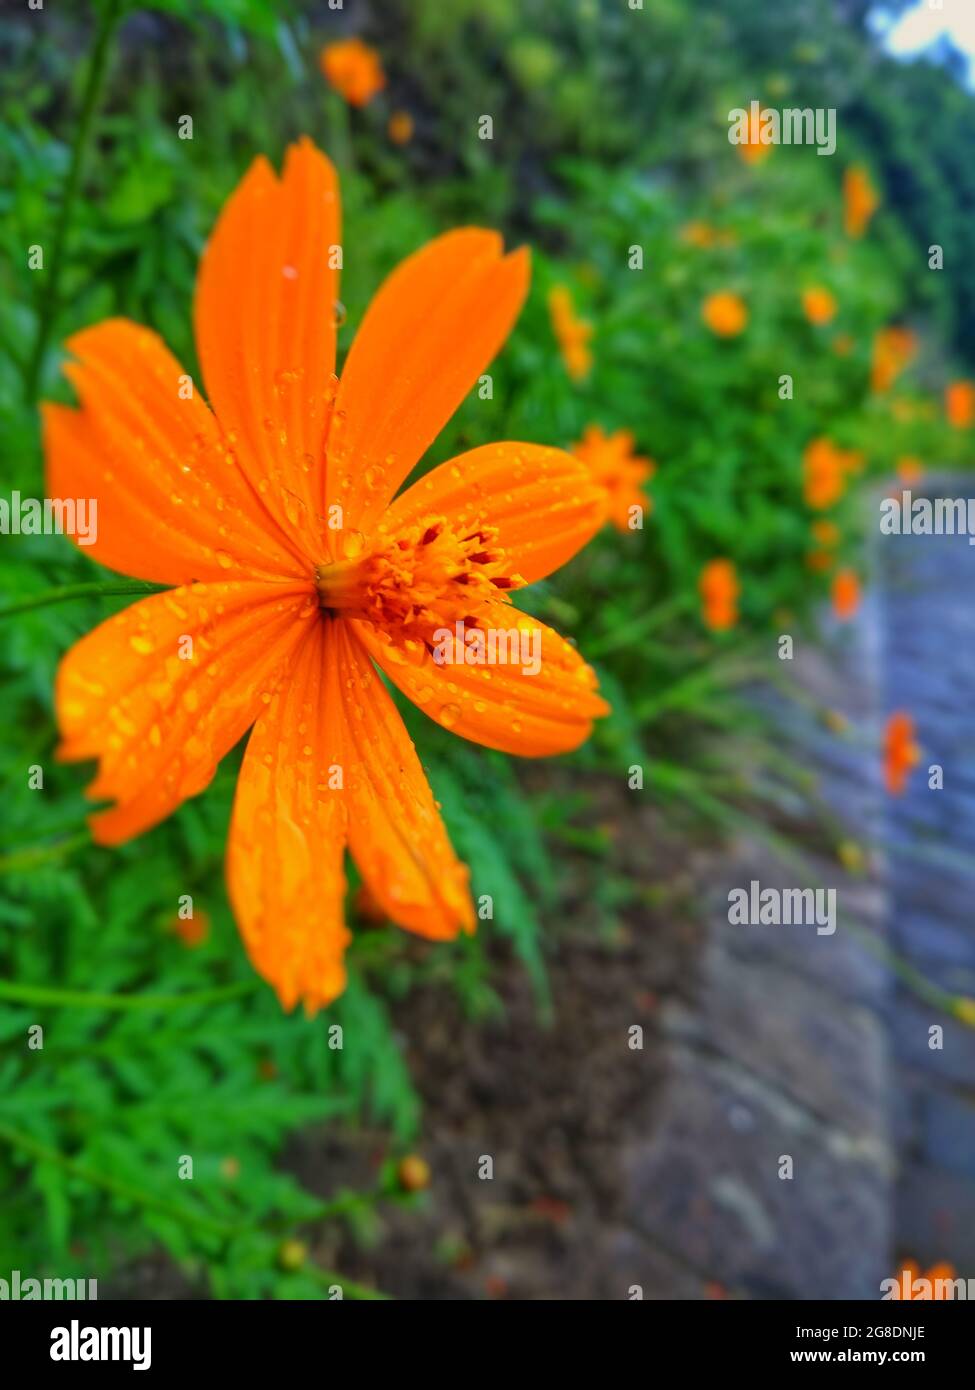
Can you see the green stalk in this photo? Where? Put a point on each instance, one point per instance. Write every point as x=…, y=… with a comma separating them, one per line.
x=108, y=19
x=68, y=591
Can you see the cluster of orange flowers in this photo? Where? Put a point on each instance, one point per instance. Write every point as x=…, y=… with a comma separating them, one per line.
x=298, y=570
x=355, y=71
x=826, y=471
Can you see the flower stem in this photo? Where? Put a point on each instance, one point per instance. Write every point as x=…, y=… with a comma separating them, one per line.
x=67, y=591
x=108, y=19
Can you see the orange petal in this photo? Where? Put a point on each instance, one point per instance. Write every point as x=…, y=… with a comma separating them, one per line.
x=265, y=329
x=543, y=502
x=172, y=505
x=501, y=706
x=396, y=835
x=287, y=835
x=432, y=328
x=161, y=691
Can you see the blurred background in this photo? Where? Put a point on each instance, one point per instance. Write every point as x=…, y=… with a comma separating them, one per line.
x=782, y=345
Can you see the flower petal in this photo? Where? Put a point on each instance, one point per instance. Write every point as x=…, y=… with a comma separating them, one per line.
x=501, y=705
x=287, y=839
x=396, y=835
x=265, y=329
x=172, y=505
x=542, y=501
x=431, y=329
x=161, y=691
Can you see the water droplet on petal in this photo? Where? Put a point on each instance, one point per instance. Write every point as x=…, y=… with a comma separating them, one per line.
x=338, y=313
x=353, y=544
x=449, y=715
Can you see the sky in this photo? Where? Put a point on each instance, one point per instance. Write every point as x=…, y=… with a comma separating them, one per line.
x=923, y=25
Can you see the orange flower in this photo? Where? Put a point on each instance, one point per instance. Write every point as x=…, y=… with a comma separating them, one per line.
x=400, y=127
x=937, y=1277
x=613, y=465
x=296, y=573
x=846, y=594
x=818, y=305
x=910, y=469
x=698, y=234
x=901, y=753
x=824, y=474
x=572, y=333
x=843, y=344
x=719, y=590
x=725, y=314
x=819, y=561
x=860, y=201
x=960, y=405
x=825, y=532
x=192, y=931
x=353, y=69
x=751, y=149
x=893, y=350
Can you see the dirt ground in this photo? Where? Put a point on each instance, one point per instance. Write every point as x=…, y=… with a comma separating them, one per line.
x=552, y=1105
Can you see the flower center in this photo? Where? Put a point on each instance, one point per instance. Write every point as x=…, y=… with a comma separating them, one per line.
x=419, y=579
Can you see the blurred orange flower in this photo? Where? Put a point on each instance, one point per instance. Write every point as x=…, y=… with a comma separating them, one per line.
x=910, y=469
x=353, y=69
x=846, y=594
x=719, y=589
x=901, y=753
x=818, y=305
x=751, y=149
x=613, y=465
x=893, y=350
x=192, y=931
x=937, y=1277
x=819, y=561
x=960, y=405
x=824, y=474
x=399, y=128
x=825, y=532
x=571, y=333
x=860, y=200
x=725, y=313
x=698, y=234
x=290, y=618
x=843, y=344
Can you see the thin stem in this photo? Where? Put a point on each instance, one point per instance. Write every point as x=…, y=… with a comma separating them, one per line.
x=93, y=85
x=68, y=591
x=71, y=998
